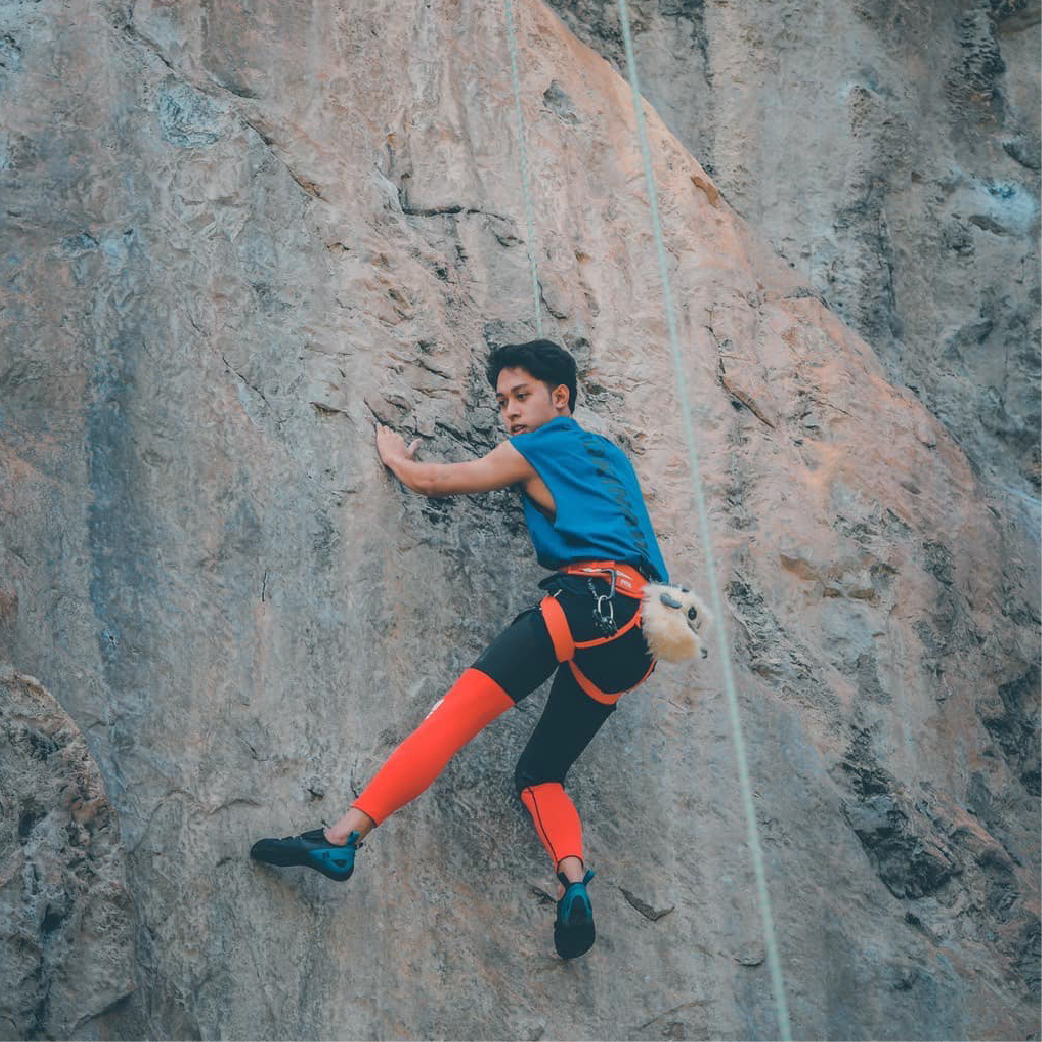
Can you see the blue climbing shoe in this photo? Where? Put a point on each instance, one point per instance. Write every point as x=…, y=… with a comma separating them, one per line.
x=574, y=932
x=311, y=850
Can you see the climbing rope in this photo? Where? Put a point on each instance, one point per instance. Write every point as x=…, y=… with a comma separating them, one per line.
x=752, y=835
x=723, y=651
x=524, y=166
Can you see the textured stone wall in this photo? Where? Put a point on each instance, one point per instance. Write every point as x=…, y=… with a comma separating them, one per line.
x=890, y=152
x=234, y=238
x=66, y=916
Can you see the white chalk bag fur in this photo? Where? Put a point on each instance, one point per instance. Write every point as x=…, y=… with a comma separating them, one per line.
x=674, y=620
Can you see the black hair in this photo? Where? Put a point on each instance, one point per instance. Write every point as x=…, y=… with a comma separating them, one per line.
x=548, y=362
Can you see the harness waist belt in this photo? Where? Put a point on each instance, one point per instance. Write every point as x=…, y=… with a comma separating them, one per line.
x=627, y=579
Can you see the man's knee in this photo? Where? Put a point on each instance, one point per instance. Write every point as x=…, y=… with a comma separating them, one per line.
x=522, y=778
x=527, y=775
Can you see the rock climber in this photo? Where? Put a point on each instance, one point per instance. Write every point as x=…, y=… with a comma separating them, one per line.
x=590, y=527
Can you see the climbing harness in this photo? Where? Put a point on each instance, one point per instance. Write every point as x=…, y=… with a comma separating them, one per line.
x=625, y=580
x=752, y=834
x=670, y=626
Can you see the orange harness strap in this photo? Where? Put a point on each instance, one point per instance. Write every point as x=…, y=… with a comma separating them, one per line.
x=601, y=696
x=558, y=628
x=627, y=580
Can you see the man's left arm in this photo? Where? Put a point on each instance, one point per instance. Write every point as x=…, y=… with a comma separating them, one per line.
x=502, y=467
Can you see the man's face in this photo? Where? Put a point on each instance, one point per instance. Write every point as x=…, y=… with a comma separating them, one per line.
x=526, y=403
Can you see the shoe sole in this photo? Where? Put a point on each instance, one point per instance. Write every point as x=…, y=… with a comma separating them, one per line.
x=274, y=854
x=576, y=938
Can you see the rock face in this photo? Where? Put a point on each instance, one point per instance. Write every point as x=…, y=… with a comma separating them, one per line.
x=234, y=237
x=890, y=153
x=66, y=921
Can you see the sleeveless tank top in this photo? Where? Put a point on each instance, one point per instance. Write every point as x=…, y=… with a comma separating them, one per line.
x=601, y=514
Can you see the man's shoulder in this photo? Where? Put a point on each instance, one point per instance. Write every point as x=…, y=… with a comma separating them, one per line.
x=565, y=433
x=559, y=427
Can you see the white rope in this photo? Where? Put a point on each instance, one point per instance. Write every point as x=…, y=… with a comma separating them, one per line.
x=753, y=840
x=524, y=167
x=752, y=835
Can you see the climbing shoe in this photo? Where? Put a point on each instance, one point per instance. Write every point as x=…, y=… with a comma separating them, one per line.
x=574, y=932
x=312, y=850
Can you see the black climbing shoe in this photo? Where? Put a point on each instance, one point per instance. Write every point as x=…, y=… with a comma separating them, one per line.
x=312, y=850
x=574, y=932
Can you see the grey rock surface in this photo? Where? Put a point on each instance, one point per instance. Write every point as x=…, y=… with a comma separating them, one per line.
x=231, y=239
x=890, y=152
x=66, y=917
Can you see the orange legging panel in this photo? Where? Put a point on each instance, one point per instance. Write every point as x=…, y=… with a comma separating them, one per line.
x=472, y=702
x=556, y=820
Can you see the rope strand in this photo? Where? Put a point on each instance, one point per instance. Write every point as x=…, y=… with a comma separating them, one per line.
x=752, y=835
x=524, y=167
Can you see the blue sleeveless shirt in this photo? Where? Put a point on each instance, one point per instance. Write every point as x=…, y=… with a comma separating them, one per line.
x=601, y=515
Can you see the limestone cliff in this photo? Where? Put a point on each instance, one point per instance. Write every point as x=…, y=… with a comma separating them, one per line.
x=66, y=917
x=890, y=153
x=232, y=237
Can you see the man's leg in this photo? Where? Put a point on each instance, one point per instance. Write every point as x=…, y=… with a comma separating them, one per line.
x=569, y=721
x=472, y=702
x=512, y=666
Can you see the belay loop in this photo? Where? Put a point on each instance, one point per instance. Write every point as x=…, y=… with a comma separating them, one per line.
x=604, y=621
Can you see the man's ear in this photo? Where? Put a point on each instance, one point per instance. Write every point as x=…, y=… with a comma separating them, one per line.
x=561, y=395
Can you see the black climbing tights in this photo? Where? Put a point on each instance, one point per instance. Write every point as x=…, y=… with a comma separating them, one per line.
x=511, y=668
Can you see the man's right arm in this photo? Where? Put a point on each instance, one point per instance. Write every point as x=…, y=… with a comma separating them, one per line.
x=501, y=468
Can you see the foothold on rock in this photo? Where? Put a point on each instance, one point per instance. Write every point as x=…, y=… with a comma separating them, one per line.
x=750, y=955
x=187, y=118
x=559, y=103
x=644, y=908
x=711, y=191
x=541, y=896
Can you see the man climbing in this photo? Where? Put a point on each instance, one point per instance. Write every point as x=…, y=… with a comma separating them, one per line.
x=589, y=525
